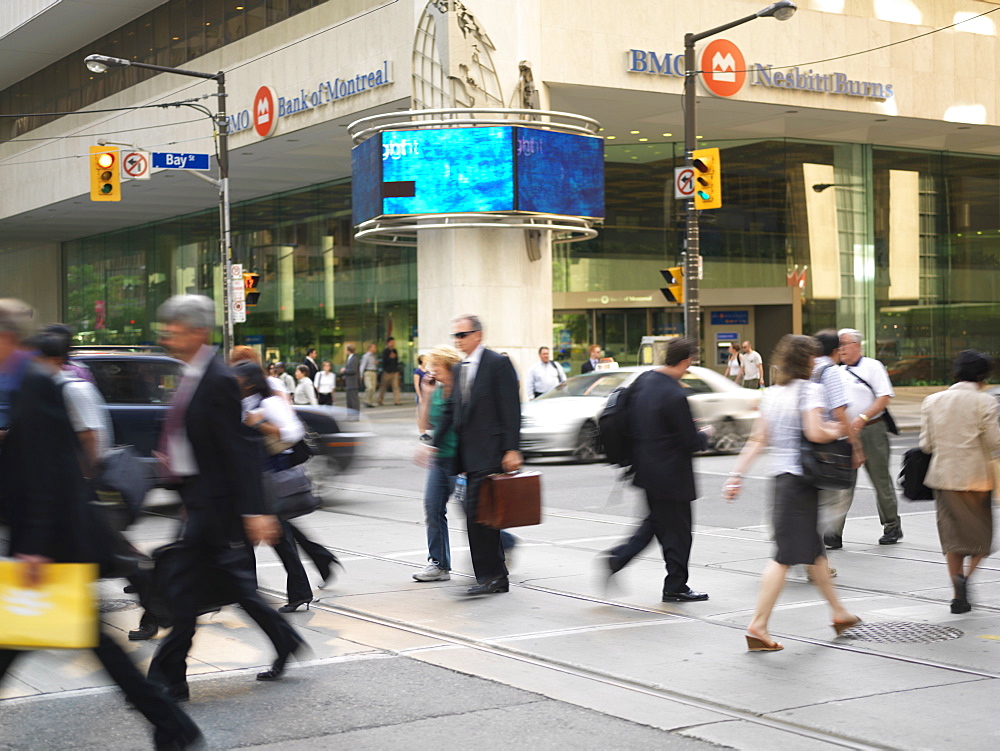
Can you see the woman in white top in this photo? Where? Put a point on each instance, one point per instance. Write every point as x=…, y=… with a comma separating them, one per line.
x=271, y=416
x=790, y=408
x=242, y=352
x=326, y=383
x=734, y=366
x=959, y=429
x=305, y=392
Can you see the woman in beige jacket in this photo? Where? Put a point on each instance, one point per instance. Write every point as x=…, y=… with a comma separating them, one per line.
x=959, y=427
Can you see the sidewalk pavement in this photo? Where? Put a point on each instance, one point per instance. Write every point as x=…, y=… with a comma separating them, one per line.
x=559, y=661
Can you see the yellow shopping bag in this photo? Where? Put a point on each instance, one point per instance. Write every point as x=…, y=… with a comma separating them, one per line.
x=60, y=613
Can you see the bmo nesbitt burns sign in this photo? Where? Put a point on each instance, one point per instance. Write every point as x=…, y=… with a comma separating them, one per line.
x=725, y=72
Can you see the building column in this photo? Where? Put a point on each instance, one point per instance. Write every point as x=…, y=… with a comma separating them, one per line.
x=486, y=272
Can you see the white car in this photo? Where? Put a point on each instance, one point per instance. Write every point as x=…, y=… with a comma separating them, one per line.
x=563, y=421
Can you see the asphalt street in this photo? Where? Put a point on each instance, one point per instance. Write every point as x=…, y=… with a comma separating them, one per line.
x=566, y=659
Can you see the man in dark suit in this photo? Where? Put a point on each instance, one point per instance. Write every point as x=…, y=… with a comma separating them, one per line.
x=216, y=464
x=310, y=363
x=485, y=413
x=44, y=501
x=594, y=353
x=352, y=378
x=664, y=437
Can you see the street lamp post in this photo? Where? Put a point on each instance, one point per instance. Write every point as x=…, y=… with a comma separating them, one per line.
x=782, y=10
x=99, y=64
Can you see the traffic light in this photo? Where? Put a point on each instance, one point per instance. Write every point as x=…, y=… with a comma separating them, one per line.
x=707, y=178
x=250, y=282
x=674, y=291
x=105, y=177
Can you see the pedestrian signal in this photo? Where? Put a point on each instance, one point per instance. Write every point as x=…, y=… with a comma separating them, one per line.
x=674, y=291
x=707, y=178
x=250, y=282
x=105, y=178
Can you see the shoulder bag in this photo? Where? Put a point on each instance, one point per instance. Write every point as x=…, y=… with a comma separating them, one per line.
x=912, y=475
x=288, y=493
x=828, y=466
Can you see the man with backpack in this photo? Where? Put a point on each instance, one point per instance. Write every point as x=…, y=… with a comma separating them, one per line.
x=661, y=439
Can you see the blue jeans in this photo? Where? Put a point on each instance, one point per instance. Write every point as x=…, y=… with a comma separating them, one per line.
x=440, y=485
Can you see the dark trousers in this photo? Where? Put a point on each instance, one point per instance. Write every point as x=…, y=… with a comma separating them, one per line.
x=205, y=554
x=297, y=583
x=351, y=398
x=326, y=399
x=170, y=721
x=670, y=523
x=484, y=542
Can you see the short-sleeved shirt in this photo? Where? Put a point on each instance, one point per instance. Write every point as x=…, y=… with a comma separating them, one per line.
x=87, y=410
x=752, y=365
x=828, y=375
x=448, y=445
x=781, y=409
x=859, y=396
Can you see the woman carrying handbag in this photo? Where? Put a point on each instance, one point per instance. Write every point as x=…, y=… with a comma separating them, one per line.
x=271, y=416
x=791, y=408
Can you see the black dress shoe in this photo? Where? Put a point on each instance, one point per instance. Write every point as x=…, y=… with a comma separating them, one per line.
x=687, y=596
x=960, y=606
x=278, y=667
x=293, y=606
x=493, y=586
x=179, y=692
x=833, y=542
x=891, y=536
x=148, y=628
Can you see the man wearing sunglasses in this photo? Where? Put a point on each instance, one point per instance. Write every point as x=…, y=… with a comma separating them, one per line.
x=485, y=411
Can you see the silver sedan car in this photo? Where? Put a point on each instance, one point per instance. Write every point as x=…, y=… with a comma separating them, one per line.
x=563, y=421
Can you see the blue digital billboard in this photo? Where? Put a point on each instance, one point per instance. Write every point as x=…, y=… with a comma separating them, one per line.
x=478, y=169
x=559, y=173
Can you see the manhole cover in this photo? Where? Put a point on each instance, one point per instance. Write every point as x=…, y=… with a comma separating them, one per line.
x=113, y=606
x=902, y=632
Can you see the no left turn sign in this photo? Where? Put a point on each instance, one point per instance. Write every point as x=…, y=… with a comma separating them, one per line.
x=135, y=165
x=683, y=182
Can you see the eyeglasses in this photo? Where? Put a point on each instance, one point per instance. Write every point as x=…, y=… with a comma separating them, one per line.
x=463, y=334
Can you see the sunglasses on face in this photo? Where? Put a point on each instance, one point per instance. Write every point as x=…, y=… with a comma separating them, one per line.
x=463, y=334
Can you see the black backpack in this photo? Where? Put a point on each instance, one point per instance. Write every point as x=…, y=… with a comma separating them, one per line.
x=613, y=427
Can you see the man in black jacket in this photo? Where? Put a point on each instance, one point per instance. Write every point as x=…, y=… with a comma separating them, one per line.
x=216, y=463
x=485, y=412
x=664, y=438
x=44, y=501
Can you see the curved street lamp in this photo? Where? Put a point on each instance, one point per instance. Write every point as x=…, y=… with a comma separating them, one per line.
x=782, y=11
x=100, y=64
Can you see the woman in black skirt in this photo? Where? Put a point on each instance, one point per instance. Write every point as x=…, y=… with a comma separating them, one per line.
x=794, y=405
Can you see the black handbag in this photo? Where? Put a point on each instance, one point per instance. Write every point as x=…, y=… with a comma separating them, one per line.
x=288, y=493
x=828, y=466
x=912, y=475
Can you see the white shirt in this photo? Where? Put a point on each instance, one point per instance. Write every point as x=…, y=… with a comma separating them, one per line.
x=470, y=366
x=368, y=362
x=834, y=391
x=87, y=410
x=325, y=382
x=782, y=408
x=277, y=411
x=859, y=396
x=179, y=450
x=277, y=384
x=544, y=376
x=305, y=392
x=751, y=365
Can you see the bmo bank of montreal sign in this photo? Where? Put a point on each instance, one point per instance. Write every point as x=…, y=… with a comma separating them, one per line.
x=725, y=72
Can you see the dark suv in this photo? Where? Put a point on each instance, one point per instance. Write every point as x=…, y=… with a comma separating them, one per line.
x=137, y=387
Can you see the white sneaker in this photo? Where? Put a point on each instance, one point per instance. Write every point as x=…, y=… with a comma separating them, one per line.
x=433, y=573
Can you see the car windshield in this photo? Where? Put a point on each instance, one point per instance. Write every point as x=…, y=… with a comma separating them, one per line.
x=135, y=382
x=592, y=384
x=694, y=385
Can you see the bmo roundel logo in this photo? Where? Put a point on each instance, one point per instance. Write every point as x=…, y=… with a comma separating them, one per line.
x=723, y=69
x=265, y=111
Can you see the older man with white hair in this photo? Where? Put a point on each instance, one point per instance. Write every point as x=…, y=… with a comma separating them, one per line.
x=868, y=393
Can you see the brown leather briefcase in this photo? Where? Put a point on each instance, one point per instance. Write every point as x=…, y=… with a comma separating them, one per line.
x=511, y=500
